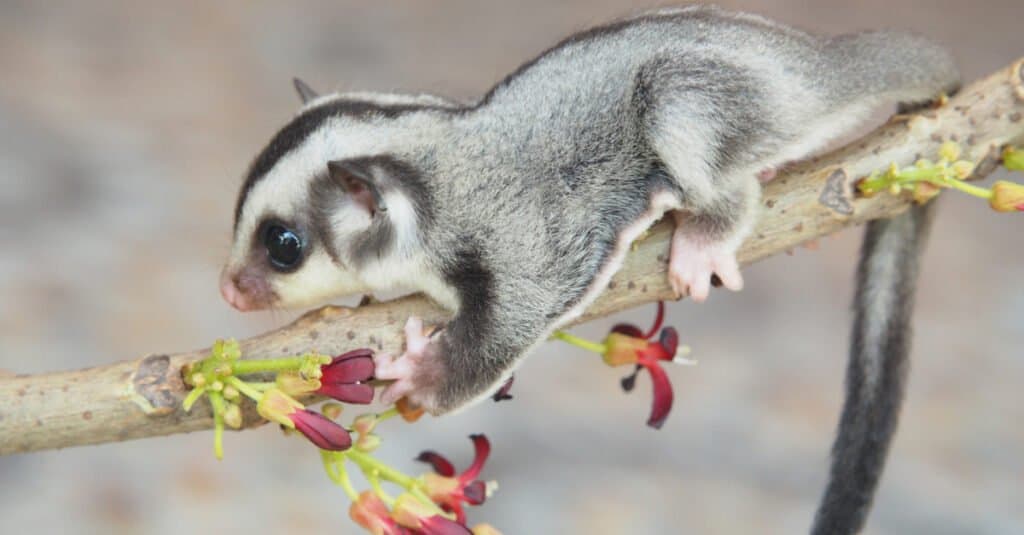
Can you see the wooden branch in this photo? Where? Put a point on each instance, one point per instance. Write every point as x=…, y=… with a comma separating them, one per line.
x=142, y=398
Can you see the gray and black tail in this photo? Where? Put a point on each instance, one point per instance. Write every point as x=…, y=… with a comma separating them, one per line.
x=890, y=66
x=877, y=371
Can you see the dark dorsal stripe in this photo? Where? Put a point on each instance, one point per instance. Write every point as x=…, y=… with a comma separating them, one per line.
x=292, y=134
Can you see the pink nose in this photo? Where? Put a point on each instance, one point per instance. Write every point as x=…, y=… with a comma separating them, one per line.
x=234, y=297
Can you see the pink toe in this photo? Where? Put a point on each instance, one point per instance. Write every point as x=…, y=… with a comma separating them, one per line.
x=700, y=288
x=394, y=392
x=729, y=273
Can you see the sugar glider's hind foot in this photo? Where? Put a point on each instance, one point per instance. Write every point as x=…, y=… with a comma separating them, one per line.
x=693, y=262
x=416, y=373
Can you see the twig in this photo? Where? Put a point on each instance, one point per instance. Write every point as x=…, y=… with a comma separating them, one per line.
x=142, y=398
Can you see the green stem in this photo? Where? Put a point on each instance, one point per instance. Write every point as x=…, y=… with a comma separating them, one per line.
x=390, y=413
x=192, y=397
x=245, y=388
x=242, y=367
x=970, y=189
x=373, y=469
x=368, y=463
x=581, y=343
x=334, y=465
x=374, y=478
x=217, y=404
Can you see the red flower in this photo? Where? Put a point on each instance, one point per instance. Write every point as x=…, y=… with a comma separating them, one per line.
x=321, y=430
x=346, y=377
x=371, y=513
x=627, y=344
x=451, y=491
x=278, y=407
x=504, y=393
x=414, y=514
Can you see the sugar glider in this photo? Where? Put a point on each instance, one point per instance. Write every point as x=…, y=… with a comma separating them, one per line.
x=514, y=210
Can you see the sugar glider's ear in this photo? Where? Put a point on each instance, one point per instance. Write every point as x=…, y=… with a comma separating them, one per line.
x=305, y=92
x=361, y=182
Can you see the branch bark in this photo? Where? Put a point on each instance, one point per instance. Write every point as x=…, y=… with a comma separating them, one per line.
x=142, y=398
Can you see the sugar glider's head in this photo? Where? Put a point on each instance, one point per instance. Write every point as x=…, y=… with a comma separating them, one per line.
x=324, y=203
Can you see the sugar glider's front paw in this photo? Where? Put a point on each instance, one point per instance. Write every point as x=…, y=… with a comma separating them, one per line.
x=692, y=263
x=417, y=374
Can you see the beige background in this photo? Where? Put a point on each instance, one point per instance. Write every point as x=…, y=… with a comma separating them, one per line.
x=124, y=131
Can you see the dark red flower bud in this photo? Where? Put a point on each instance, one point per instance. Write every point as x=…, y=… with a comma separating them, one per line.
x=325, y=433
x=346, y=378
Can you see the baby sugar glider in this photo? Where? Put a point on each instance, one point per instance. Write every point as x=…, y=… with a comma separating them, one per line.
x=515, y=210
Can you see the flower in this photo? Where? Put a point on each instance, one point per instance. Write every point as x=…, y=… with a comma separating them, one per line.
x=412, y=513
x=1007, y=197
x=277, y=406
x=503, y=393
x=370, y=512
x=627, y=344
x=346, y=377
x=451, y=491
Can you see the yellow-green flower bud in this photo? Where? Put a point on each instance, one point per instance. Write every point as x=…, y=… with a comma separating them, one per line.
x=233, y=416
x=1007, y=197
x=230, y=393
x=364, y=423
x=949, y=151
x=332, y=410
x=1013, y=158
x=368, y=442
x=963, y=169
x=925, y=191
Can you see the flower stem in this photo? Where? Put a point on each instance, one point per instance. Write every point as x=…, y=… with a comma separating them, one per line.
x=983, y=193
x=368, y=463
x=267, y=365
x=217, y=404
x=390, y=413
x=580, y=342
x=192, y=397
x=334, y=465
x=374, y=478
x=249, y=390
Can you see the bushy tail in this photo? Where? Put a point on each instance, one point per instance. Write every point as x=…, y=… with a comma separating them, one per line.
x=896, y=66
x=877, y=370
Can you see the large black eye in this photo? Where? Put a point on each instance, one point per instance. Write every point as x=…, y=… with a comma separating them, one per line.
x=283, y=246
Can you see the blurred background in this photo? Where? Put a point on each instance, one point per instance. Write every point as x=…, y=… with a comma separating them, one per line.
x=125, y=128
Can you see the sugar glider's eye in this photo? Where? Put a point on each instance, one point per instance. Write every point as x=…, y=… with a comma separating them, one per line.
x=284, y=247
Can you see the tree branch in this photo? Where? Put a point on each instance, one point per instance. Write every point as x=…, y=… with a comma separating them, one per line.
x=142, y=398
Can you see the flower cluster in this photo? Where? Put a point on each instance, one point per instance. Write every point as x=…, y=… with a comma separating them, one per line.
x=629, y=345
x=344, y=378
x=431, y=504
x=925, y=179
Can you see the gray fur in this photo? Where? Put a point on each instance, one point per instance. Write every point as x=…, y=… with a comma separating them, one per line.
x=876, y=376
x=522, y=198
